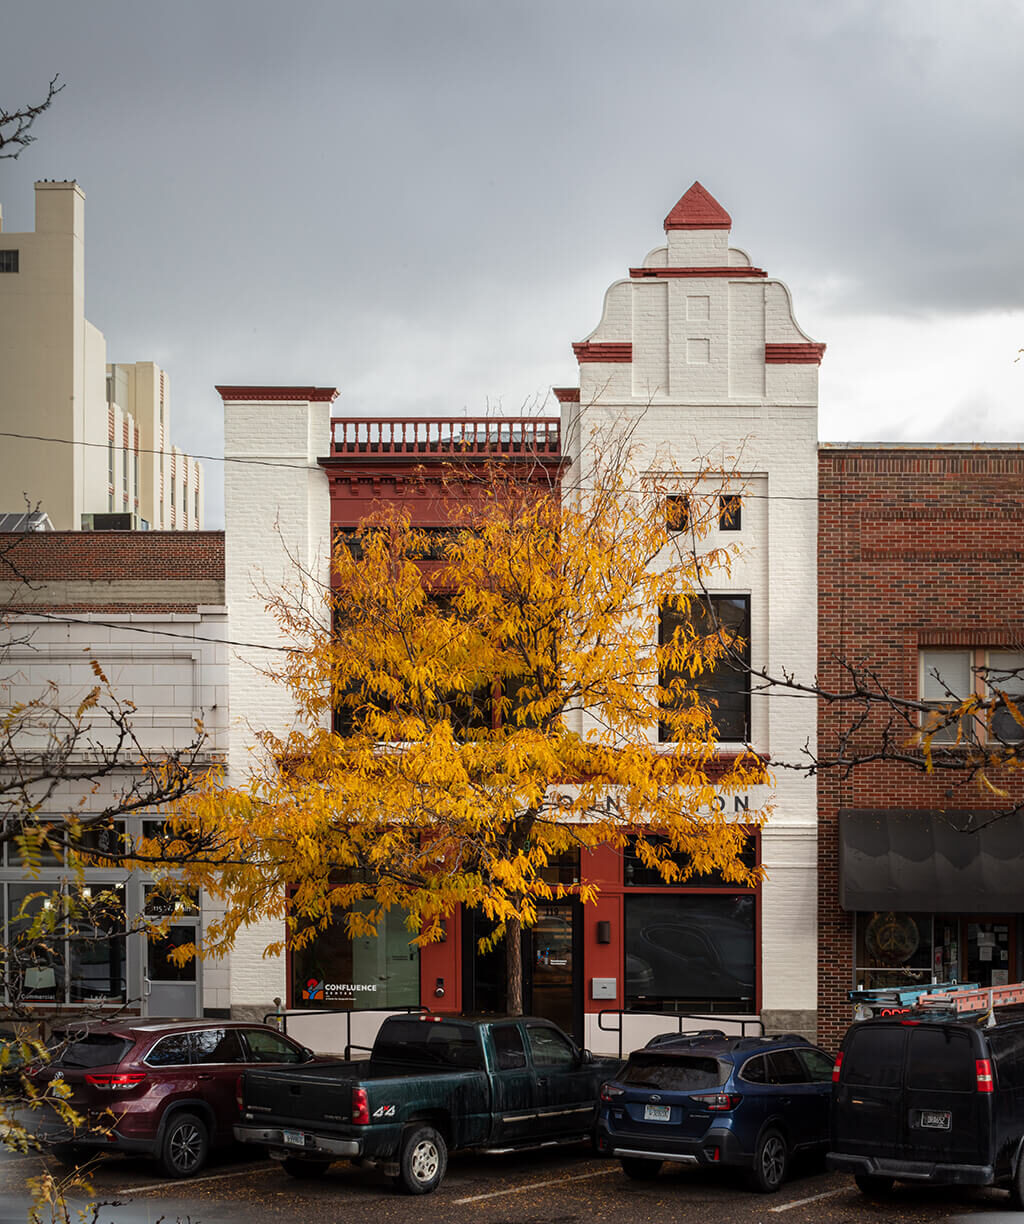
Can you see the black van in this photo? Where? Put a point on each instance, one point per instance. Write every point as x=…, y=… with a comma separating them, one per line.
x=937, y=1101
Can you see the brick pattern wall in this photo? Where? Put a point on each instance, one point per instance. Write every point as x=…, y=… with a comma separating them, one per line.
x=111, y=555
x=917, y=547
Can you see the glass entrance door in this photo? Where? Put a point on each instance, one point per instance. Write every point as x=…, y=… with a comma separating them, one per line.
x=551, y=963
x=552, y=968
x=171, y=990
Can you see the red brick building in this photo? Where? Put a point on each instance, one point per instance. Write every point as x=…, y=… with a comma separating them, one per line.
x=920, y=581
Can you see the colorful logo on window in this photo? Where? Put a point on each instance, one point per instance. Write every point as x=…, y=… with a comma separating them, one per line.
x=313, y=989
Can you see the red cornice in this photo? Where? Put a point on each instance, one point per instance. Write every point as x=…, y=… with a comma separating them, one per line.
x=614, y=351
x=793, y=354
x=567, y=395
x=698, y=210
x=640, y=273
x=276, y=394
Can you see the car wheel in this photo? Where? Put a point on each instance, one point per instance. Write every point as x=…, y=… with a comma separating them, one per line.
x=304, y=1170
x=422, y=1160
x=639, y=1169
x=877, y=1187
x=770, y=1159
x=185, y=1145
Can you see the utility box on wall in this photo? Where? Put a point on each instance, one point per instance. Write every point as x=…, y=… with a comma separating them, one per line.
x=603, y=988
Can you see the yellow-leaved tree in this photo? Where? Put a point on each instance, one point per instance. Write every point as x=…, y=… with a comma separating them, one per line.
x=476, y=702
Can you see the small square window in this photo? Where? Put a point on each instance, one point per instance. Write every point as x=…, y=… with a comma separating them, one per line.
x=8, y=261
x=729, y=512
x=677, y=512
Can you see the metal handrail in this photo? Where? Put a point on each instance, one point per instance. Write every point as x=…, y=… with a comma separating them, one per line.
x=679, y=1017
x=280, y=1019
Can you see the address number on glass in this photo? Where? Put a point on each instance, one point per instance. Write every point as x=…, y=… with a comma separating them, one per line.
x=935, y=1119
x=657, y=1113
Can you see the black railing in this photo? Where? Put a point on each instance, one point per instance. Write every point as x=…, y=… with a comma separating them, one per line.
x=678, y=1017
x=280, y=1019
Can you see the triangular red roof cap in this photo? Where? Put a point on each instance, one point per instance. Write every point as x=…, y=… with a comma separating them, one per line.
x=698, y=210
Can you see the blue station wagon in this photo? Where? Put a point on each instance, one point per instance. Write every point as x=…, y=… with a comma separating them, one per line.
x=711, y=1100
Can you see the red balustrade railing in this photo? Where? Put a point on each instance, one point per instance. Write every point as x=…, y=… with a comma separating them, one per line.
x=450, y=436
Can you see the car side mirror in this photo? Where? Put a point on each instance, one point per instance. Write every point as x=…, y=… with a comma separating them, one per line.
x=585, y=1057
x=309, y=1054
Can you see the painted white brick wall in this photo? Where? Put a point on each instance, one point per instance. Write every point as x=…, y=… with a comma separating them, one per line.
x=723, y=400
x=276, y=516
x=172, y=667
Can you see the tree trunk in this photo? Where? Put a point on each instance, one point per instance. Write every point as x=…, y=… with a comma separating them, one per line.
x=514, y=965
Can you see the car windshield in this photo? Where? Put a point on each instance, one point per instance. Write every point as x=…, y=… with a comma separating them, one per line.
x=680, y=1073
x=95, y=1050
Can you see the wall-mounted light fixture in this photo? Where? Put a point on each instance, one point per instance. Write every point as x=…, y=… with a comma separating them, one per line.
x=439, y=989
x=604, y=932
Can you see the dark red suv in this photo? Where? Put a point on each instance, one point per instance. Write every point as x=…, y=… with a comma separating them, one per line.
x=167, y=1089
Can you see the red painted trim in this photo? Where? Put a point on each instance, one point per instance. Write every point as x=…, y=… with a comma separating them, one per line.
x=793, y=354
x=308, y=394
x=698, y=210
x=611, y=351
x=567, y=395
x=642, y=273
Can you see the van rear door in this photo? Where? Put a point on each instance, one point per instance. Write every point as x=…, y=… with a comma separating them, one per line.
x=868, y=1119
x=948, y=1120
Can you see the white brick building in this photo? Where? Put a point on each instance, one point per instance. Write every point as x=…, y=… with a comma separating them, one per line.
x=698, y=353
x=149, y=609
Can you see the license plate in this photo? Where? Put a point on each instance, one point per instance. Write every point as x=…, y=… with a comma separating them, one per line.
x=936, y=1119
x=295, y=1138
x=657, y=1113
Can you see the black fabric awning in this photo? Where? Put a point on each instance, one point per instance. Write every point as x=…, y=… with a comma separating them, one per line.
x=942, y=862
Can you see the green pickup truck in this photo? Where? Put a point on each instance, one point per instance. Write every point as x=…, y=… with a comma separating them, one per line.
x=432, y=1084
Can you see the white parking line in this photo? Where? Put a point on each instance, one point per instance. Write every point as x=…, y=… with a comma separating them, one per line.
x=183, y=1183
x=813, y=1199
x=555, y=1181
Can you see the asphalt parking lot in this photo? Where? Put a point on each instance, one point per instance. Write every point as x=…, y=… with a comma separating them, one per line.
x=562, y=1187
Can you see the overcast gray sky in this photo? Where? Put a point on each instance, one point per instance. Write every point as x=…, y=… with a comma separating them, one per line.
x=422, y=203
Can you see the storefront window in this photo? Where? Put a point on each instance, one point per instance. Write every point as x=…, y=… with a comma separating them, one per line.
x=690, y=952
x=97, y=947
x=70, y=956
x=367, y=972
x=895, y=949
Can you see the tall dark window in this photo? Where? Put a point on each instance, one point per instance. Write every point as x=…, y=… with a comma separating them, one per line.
x=9, y=261
x=724, y=688
x=677, y=512
x=730, y=516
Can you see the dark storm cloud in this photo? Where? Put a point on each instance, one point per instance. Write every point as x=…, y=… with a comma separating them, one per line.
x=424, y=203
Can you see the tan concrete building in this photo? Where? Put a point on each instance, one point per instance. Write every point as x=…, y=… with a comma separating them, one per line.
x=114, y=454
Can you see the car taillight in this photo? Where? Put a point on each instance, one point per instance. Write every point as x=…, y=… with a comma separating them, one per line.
x=238, y=1093
x=360, y=1107
x=837, y=1066
x=718, y=1102
x=609, y=1092
x=983, y=1072
x=117, y=1082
